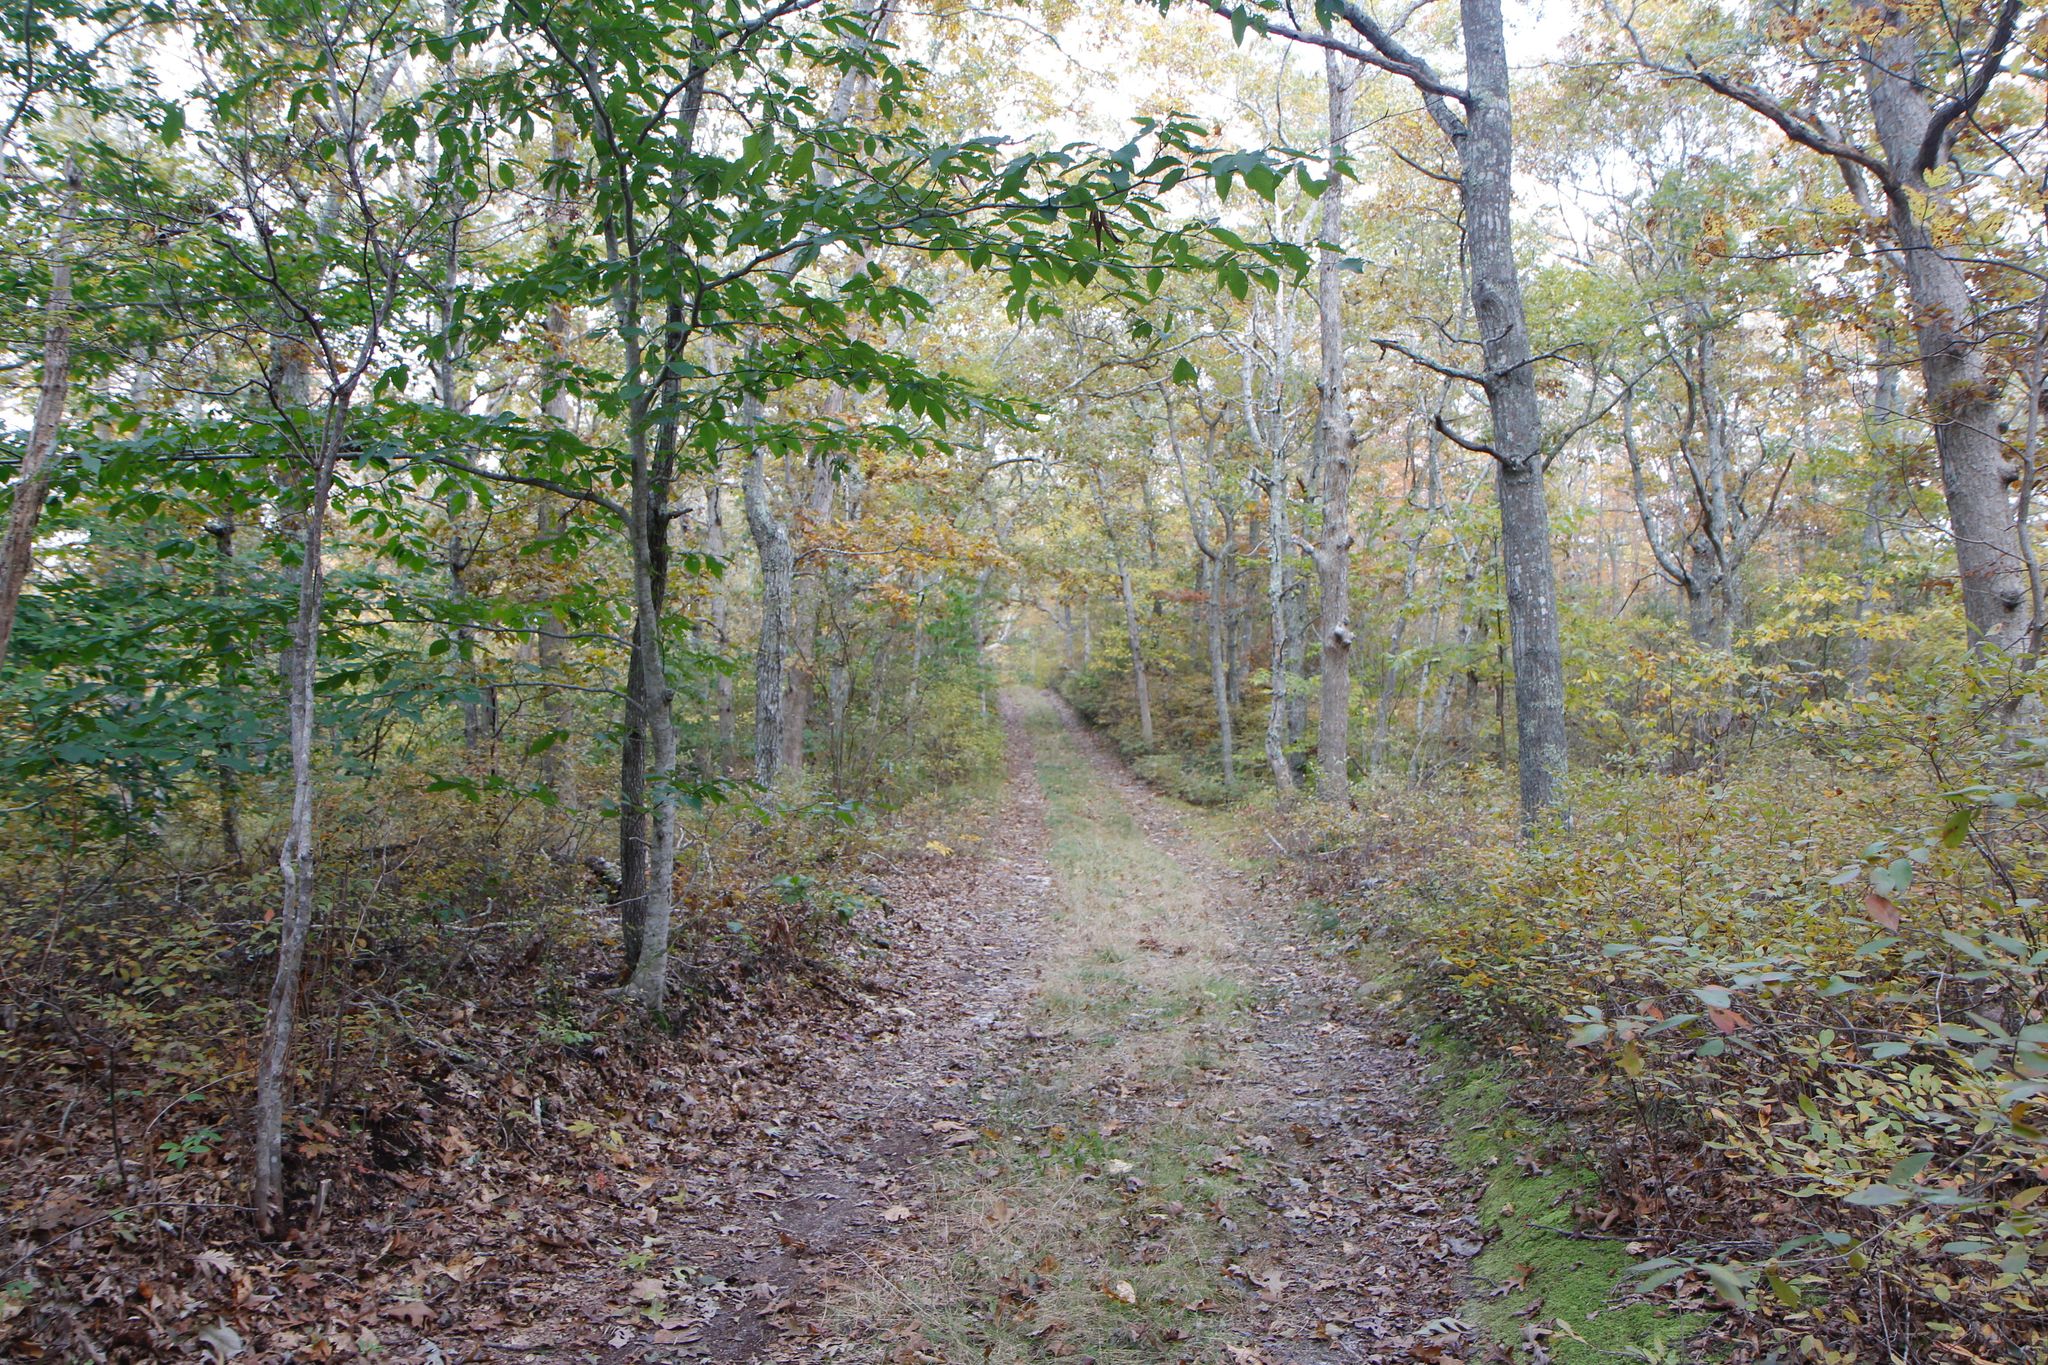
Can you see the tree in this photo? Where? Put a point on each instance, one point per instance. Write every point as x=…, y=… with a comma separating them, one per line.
x=1922, y=75
x=1336, y=443
x=1479, y=123
x=40, y=456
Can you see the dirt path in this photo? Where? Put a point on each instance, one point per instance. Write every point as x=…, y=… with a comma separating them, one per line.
x=1112, y=1106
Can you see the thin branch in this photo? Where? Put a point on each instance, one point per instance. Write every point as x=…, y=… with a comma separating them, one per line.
x=1447, y=371
x=1476, y=447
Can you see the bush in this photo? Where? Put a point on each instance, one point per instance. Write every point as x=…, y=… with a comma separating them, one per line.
x=1806, y=994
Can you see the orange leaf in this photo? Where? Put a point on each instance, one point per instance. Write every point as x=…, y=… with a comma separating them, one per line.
x=1728, y=1021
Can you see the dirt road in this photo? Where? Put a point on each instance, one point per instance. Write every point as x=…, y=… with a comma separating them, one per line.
x=1111, y=1104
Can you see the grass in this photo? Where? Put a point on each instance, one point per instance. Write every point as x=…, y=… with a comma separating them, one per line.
x=1077, y=1234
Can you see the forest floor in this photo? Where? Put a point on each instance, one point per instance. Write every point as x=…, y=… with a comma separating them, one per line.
x=1117, y=1107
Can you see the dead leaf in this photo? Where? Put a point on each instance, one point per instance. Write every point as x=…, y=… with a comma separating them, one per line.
x=1123, y=1291
x=1728, y=1021
x=222, y=1342
x=1881, y=910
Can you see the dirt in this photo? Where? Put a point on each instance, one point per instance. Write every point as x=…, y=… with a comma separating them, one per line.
x=851, y=1224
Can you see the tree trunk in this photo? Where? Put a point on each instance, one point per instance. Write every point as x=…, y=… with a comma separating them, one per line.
x=227, y=781
x=295, y=858
x=551, y=644
x=778, y=567
x=40, y=458
x=808, y=594
x=1880, y=433
x=632, y=815
x=1487, y=160
x=1209, y=574
x=1333, y=428
x=1276, y=610
x=1139, y=681
x=1962, y=399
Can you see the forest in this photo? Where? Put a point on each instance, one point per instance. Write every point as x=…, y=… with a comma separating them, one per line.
x=1223, y=681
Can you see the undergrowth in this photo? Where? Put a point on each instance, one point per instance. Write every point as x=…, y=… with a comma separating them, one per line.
x=1790, y=1005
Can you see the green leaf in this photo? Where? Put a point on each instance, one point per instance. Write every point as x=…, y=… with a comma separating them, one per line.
x=1184, y=371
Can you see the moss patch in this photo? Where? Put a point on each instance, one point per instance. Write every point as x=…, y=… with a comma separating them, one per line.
x=1533, y=1270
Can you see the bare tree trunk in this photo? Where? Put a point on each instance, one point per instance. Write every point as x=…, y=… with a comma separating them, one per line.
x=227, y=781
x=1880, y=433
x=40, y=458
x=1139, y=682
x=808, y=593
x=295, y=859
x=632, y=815
x=1333, y=428
x=1210, y=572
x=1276, y=610
x=778, y=568
x=648, y=982
x=1487, y=157
x=1962, y=398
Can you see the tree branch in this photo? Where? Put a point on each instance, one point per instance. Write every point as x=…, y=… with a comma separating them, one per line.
x=1973, y=91
x=1447, y=371
x=1476, y=447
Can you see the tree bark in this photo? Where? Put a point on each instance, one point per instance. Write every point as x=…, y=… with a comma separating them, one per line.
x=1333, y=429
x=40, y=458
x=1486, y=154
x=778, y=568
x=1962, y=400
x=295, y=858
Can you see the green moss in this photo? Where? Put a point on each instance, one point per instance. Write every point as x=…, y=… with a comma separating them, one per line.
x=1526, y=1209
